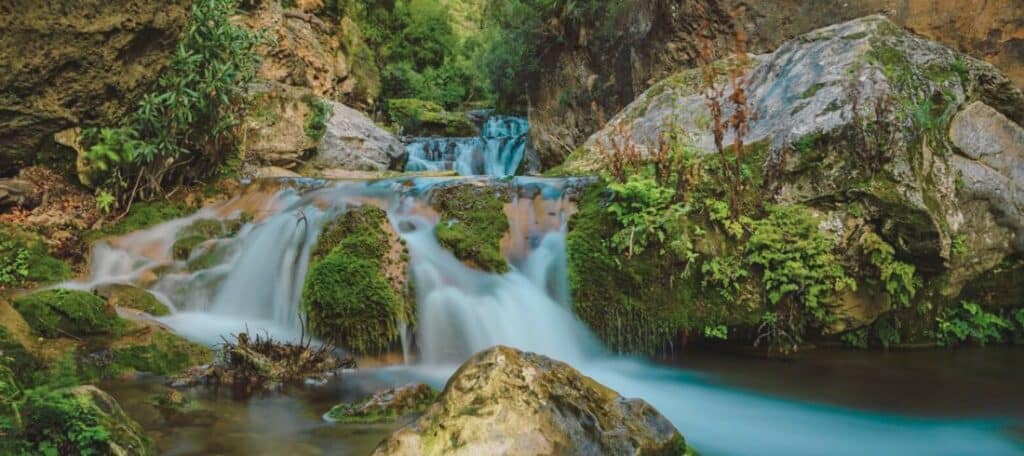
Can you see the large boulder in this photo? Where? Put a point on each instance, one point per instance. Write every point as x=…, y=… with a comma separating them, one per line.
x=63, y=419
x=590, y=75
x=503, y=401
x=69, y=63
x=352, y=141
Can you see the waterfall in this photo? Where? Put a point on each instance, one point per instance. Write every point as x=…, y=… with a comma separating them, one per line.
x=498, y=151
x=462, y=310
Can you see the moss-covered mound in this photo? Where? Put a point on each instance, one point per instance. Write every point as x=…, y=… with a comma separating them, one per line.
x=472, y=223
x=25, y=259
x=132, y=297
x=63, y=313
x=354, y=294
x=385, y=406
x=15, y=356
x=141, y=216
x=200, y=231
x=426, y=118
x=79, y=420
x=159, y=353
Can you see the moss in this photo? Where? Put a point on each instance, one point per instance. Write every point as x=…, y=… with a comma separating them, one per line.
x=80, y=420
x=811, y=91
x=319, y=112
x=141, y=216
x=384, y=407
x=203, y=230
x=25, y=259
x=472, y=223
x=62, y=313
x=15, y=356
x=426, y=118
x=131, y=297
x=165, y=354
x=347, y=296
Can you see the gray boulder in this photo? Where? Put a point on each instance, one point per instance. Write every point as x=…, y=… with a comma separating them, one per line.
x=353, y=142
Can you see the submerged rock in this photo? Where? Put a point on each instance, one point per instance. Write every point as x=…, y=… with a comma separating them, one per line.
x=385, y=406
x=503, y=401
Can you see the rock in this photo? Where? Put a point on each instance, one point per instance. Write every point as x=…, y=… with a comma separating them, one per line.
x=18, y=193
x=589, y=76
x=68, y=63
x=178, y=409
x=67, y=313
x=991, y=162
x=275, y=172
x=132, y=297
x=356, y=293
x=54, y=419
x=426, y=118
x=504, y=401
x=275, y=125
x=473, y=223
x=352, y=141
x=385, y=406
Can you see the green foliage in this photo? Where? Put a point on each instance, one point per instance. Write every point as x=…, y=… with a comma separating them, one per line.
x=25, y=259
x=725, y=273
x=959, y=246
x=60, y=423
x=472, y=224
x=346, y=296
x=716, y=332
x=645, y=210
x=189, y=119
x=422, y=117
x=166, y=354
x=796, y=261
x=316, y=124
x=898, y=277
x=63, y=313
x=139, y=217
x=970, y=323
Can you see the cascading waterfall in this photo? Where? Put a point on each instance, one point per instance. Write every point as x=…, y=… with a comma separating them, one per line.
x=462, y=310
x=498, y=150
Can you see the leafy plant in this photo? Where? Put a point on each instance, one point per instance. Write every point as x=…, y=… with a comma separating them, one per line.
x=15, y=267
x=799, y=271
x=316, y=124
x=724, y=273
x=645, y=210
x=969, y=322
x=899, y=278
x=716, y=332
x=105, y=201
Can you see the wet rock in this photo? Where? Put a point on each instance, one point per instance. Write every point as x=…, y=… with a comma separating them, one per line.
x=178, y=409
x=132, y=297
x=18, y=193
x=385, y=406
x=504, y=401
x=103, y=56
x=352, y=141
x=67, y=313
x=275, y=126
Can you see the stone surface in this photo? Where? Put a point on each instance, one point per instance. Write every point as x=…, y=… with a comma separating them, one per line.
x=587, y=80
x=275, y=125
x=506, y=402
x=991, y=163
x=69, y=63
x=384, y=406
x=352, y=141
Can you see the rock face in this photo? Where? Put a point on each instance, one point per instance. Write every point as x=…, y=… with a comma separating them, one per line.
x=352, y=141
x=504, y=402
x=876, y=131
x=591, y=79
x=70, y=63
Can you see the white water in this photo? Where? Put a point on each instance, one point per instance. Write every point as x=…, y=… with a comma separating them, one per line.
x=496, y=152
x=462, y=311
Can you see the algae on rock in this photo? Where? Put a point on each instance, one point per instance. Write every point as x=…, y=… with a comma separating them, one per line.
x=472, y=224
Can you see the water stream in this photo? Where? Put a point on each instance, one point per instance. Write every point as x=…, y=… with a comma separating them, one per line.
x=498, y=151
x=461, y=311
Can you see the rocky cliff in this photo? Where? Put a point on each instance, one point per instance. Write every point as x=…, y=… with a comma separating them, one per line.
x=590, y=79
x=68, y=63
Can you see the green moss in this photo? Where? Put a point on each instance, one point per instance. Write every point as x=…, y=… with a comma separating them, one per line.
x=132, y=297
x=426, y=118
x=166, y=354
x=811, y=91
x=13, y=355
x=200, y=231
x=26, y=260
x=141, y=216
x=62, y=313
x=473, y=221
x=346, y=296
x=319, y=112
x=384, y=407
x=81, y=420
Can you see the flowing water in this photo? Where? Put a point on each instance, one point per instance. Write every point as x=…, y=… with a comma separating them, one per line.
x=461, y=311
x=498, y=150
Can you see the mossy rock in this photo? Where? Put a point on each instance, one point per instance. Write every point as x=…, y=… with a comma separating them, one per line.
x=10, y=397
x=163, y=354
x=15, y=356
x=384, y=407
x=132, y=297
x=203, y=230
x=80, y=420
x=62, y=313
x=426, y=118
x=141, y=216
x=25, y=259
x=349, y=296
x=473, y=221
x=178, y=409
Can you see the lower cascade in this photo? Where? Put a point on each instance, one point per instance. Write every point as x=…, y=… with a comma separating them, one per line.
x=254, y=281
x=498, y=151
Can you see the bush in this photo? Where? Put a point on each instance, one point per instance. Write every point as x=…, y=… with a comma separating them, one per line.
x=192, y=116
x=25, y=259
x=320, y=112
x=970, y=323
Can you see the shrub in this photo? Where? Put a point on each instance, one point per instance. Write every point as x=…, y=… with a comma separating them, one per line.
x=316, y=124
x=897, y=277
x=970, y=323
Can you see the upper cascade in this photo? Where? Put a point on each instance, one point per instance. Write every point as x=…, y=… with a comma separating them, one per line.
x=498, y=151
